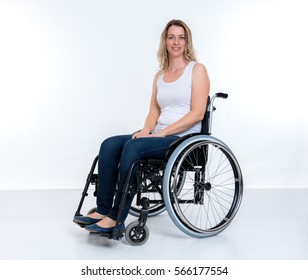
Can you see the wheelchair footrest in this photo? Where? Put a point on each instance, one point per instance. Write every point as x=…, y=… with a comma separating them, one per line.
x=115, y=235
x=108, y=235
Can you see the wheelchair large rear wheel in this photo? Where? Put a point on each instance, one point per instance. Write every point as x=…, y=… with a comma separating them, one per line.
x=211, y=190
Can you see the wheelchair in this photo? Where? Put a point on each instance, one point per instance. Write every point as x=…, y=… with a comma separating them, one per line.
x=199, y=183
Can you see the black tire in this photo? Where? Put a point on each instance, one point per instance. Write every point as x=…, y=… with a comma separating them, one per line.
x=136, y=235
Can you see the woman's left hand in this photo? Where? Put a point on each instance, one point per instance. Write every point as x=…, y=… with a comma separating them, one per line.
x=158, y=134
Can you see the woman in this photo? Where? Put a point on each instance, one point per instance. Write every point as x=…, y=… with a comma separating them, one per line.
x=178, y=103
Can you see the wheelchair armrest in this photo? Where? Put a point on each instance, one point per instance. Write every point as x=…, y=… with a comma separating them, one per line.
x=177, y=142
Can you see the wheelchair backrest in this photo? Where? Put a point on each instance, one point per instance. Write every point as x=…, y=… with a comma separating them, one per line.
x=206, y=118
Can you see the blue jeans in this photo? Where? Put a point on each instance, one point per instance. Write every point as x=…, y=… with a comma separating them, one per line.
x=116, y=156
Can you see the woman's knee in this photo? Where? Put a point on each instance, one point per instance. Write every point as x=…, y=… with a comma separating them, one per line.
x=113, y=143
x=132, y=149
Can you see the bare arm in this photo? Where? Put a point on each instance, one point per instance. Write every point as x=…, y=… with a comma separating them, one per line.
x=153, y=115
x=200, y=93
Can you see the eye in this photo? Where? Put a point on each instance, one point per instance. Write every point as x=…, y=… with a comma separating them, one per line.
x=182, y=37
x=170, y=37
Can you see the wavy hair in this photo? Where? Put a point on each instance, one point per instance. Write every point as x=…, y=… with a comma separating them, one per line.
x=162, y=54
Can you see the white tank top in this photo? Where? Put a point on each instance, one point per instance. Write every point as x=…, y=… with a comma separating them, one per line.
x=174, y=100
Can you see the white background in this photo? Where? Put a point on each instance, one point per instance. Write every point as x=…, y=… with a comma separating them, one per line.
x=74, y=72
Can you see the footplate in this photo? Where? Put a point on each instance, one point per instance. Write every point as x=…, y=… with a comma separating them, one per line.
x=115, y=234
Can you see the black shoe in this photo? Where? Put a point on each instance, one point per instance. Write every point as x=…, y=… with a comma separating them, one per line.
x=84, y=220
x=97, y=229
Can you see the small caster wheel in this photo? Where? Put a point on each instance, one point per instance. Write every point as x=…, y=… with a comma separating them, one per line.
x=136, y=235
x=92, y=210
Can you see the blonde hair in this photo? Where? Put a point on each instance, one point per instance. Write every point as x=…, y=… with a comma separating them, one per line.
x=162, y=54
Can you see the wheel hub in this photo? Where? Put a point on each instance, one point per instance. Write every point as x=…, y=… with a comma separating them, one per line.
x=208, y=186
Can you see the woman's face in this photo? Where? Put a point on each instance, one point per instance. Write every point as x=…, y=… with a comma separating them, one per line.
x=176, y=40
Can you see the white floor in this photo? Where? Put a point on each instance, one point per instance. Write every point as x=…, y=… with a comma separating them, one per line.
x=271, y=224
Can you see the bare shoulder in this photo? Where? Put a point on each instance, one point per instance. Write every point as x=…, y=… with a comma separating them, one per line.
x=158, y=73
x=156, y=77
x=200, y=73
x=154, y=86
x=199, y=68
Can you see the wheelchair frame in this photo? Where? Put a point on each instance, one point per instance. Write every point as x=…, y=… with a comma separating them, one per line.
x=199, y=183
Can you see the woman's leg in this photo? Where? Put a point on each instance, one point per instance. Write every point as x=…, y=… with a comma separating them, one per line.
x=135, y=149
x=108, y=161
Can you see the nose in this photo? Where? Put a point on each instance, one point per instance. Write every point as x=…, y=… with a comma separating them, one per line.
x=176, y=41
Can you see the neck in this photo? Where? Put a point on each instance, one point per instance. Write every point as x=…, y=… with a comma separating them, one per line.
x=177, y=63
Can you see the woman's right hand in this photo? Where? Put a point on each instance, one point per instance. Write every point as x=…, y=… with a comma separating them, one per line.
x=140, y=134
